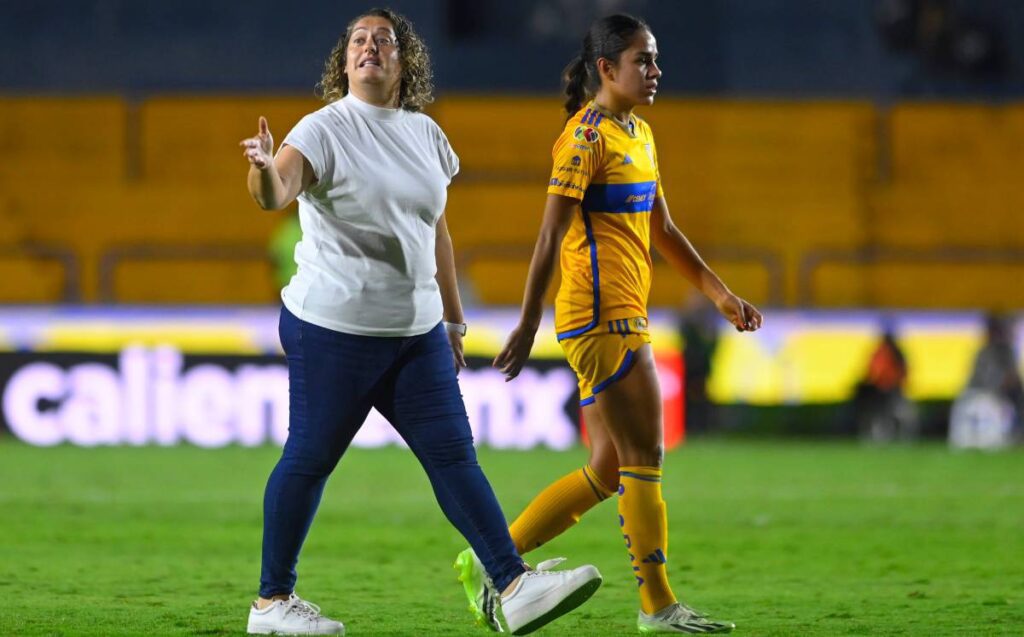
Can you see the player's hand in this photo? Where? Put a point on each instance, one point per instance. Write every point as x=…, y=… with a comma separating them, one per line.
x=259, y=150
x=456, y=342
x=743, y=315
x=513, y=356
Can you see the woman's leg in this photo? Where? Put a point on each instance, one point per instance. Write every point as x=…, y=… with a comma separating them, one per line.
x=425, y=406
x=630, y=409
x=330, y=377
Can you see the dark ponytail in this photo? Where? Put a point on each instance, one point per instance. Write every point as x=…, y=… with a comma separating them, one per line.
x=575, y=79
x=607, y=38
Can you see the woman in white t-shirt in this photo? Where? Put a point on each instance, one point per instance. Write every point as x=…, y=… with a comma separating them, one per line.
x=372, y=319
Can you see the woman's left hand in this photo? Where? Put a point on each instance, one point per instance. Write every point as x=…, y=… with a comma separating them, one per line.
x=456, y=342
x=741, y=314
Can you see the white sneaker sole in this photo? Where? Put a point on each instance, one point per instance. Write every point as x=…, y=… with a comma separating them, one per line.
x=267, y=630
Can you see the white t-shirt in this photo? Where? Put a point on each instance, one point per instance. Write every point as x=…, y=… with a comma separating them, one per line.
x=366, y=258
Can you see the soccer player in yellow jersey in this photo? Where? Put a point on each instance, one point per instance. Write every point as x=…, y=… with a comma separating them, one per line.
x=605, y=207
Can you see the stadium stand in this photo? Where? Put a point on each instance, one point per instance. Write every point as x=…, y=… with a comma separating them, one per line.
x=820, y=203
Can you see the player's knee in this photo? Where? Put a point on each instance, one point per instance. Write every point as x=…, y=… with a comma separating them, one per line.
x=652, y=455
x=607, y=471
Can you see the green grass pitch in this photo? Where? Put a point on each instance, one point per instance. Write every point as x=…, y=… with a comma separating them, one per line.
x=782, y=538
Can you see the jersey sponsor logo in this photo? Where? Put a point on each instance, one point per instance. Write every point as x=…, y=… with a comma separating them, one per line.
x=562, y=183
x=620, y=198
x=576, y=160
x=572, y=170
x=586, y=134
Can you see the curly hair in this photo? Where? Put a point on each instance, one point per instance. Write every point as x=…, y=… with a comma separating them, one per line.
x=416, y=89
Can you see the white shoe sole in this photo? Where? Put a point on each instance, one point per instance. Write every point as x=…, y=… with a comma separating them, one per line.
x=267, y=630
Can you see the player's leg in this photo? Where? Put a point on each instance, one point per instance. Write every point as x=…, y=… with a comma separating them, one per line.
x=426, y=408
x=630, y=409
x=562, y=503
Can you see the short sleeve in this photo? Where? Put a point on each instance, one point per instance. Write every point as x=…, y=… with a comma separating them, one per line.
x=577, y=156
x=309, y=138
x=449, y=160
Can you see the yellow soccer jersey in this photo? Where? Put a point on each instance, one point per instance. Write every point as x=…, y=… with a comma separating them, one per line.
x=605, y=256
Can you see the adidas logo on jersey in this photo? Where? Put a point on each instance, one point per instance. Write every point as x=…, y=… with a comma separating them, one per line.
x=627, y=160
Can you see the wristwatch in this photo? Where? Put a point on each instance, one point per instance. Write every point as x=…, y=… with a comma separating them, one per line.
x=458, y=328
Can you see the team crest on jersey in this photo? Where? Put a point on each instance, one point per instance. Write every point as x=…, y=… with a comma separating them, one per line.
x=586, y=134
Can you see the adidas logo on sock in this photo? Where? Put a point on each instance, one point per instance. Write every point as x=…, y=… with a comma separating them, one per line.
x=656, y=557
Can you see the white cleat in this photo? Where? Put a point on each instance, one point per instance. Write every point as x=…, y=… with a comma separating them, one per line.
x=540, y=597
x=292, y=616
x=680, y=618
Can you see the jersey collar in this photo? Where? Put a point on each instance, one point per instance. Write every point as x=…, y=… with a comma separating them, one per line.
x=629, y=130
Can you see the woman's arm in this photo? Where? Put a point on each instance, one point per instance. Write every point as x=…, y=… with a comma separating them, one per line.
x=274, y=182
x=448, y=282
x=678, y=251
x=558, y=214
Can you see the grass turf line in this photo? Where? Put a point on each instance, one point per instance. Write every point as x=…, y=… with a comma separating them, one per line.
x=782, y=538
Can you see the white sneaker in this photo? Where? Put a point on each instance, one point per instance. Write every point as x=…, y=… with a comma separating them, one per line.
x=293, y=616
x=680, y=618
x=540, y=597
x=483, y=599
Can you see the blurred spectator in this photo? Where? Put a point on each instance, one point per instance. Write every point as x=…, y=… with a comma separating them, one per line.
x=881, y=410
x=995, y=366
x=990, y=407
x=698, y=327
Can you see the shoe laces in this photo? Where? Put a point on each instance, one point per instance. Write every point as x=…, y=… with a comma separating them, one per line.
x=548, y=565
x=680, y=612
x=302, y=608
x=692, y=611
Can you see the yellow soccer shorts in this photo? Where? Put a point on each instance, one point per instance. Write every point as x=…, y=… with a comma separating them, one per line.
x=605, y=354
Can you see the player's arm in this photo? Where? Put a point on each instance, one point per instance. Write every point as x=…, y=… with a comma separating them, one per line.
x=447, y=281
x=274, y=181
x=558, y=214
x=680, y=253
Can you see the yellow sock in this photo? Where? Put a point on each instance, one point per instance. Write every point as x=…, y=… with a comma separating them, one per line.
x=556, y=508
x=645, y=530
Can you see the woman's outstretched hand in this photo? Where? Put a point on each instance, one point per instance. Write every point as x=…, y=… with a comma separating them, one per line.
x=259, y=150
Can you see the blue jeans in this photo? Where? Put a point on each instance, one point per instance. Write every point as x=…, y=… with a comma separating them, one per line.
x=334, y=379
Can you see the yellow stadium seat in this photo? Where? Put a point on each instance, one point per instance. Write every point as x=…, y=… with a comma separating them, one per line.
x=748, y=279
x=194, y=280
x=195, y=139
x=52, y=141
x=98, y=220
x=501, y=137
x=935, y=284
x=31, y=279
x=490, y=213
